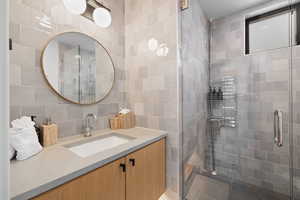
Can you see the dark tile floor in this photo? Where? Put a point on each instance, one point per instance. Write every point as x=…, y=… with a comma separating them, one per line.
x=246, y=192
x=210, y=188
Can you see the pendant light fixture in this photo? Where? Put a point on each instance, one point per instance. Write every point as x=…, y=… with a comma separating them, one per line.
x=102, y=17
x=90, y=9
x=76, y=7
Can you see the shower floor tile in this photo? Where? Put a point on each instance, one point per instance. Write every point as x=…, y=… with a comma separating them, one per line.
x=245, y=192
x=207, y=188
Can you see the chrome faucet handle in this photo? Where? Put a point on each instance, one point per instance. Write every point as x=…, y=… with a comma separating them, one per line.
x=89, y=126
x=91, y=115
x=88, y=132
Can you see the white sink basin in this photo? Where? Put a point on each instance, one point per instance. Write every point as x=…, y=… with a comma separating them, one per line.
x=98, y=144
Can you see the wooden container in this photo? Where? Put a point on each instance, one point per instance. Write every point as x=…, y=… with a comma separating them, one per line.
x=123, y=121
x=49, y=135
x=128, y=120
x=115, y=123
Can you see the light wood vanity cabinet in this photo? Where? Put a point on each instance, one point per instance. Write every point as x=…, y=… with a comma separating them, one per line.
x=106, y=182
x=138, y=176
x=145, y=177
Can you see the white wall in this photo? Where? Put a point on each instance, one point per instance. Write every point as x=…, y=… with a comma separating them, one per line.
x=4, y=74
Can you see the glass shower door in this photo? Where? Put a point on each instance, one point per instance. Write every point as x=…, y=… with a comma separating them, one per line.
x=252, y=159
x=260, y=142
x=262, y=135
x=248, y=154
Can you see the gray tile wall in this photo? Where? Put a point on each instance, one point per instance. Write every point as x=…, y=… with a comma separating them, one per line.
x=247, y=153
x=152, y=85
x=30, y=94
x=195, y=65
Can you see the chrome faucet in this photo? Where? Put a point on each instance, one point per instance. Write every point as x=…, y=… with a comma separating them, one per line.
x=89, y=127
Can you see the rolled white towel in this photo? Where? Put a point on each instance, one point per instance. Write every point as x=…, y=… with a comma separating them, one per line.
x=124, y=111
x=25, y=142
x=23, y=122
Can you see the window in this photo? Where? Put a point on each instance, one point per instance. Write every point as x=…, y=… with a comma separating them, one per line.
x=272, y=30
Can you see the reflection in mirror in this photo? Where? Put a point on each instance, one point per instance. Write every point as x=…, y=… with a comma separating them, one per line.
x=78, y=68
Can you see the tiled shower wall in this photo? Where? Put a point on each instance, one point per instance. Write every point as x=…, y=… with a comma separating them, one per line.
x=247, y=153
x=151, y=72
x=195, y=68
x=30, y=95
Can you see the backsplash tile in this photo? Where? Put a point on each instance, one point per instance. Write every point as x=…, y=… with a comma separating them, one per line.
x=30, y=94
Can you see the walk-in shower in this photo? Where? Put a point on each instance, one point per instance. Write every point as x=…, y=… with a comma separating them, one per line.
x=244, y=145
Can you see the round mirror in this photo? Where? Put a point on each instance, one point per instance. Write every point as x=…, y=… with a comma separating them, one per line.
x=78, y=68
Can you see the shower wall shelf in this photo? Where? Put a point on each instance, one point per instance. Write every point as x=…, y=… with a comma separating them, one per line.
x=224, y=109
x=222, y=112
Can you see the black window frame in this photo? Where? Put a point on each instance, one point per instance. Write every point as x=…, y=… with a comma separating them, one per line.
x=290, y=8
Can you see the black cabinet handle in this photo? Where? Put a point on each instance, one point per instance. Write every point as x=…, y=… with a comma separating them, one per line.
x=10, y=44
x=123, y=166
x=132, y=160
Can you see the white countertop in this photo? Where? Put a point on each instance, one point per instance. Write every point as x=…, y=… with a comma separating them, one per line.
x=57, y=165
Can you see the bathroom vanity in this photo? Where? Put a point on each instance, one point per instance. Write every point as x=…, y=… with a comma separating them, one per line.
x=108, y=165
x=133, y=170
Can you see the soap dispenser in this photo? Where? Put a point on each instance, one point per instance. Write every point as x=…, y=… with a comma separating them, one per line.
x=36, y=126
x=220, y=94
x=210, y=97
x=214, y=94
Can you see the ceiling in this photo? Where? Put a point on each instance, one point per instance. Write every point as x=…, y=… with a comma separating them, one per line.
x=215, y=9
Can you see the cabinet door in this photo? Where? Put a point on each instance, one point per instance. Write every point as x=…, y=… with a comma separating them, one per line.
x=104, y=183
x=145, y=177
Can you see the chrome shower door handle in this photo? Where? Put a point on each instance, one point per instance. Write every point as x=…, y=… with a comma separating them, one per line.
x=278, y=128
x=280, y=134
x=275, y=124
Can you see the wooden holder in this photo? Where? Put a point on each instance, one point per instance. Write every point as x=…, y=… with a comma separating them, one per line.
x=115, y=123
x=49, y=135
x=122, y=121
